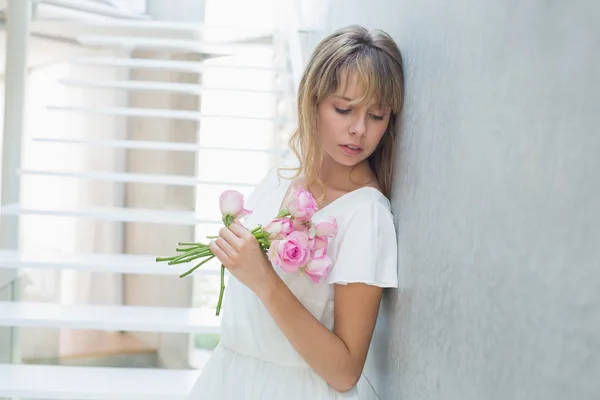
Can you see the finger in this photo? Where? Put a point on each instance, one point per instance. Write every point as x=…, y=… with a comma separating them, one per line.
x=230, y=237
x=219, y=253
x=228, y=249
x=239, y=230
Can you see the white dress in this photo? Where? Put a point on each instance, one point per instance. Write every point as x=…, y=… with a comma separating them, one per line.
x=254, y=360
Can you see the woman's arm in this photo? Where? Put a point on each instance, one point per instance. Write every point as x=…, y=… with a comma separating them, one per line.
x=338, y=356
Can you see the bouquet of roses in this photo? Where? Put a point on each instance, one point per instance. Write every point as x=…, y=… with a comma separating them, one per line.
x=291, y=241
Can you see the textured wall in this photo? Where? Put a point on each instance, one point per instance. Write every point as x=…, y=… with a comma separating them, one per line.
x=497, y=200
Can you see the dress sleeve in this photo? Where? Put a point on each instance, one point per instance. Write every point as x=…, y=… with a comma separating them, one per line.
x=368, y=249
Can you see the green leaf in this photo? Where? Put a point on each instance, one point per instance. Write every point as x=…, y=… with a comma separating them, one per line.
x=283, y=213
x=228, y=220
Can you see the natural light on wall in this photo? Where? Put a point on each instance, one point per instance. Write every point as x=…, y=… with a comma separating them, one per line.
x=236, y=152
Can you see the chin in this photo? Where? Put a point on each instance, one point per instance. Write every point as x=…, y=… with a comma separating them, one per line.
x=345, y=160
x=349, y=163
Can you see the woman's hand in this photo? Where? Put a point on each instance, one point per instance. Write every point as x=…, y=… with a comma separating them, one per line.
x=239, y=251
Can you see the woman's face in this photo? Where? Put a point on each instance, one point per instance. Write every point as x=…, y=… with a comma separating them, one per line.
x=349, y=135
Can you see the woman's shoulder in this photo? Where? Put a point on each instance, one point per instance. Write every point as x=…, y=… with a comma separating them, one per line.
x=374, y=209
x=364, y=203
x=366, y=245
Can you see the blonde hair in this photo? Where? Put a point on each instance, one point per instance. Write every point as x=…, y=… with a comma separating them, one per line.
x=374, y=58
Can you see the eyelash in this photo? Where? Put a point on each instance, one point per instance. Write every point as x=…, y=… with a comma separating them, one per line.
x=347, y=111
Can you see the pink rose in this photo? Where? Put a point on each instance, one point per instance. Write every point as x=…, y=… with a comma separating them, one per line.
x=319, y=247
x=231, y=203
x=301, y=204
x=290, y=253
x=302, y=225
x=272, y=253
x=279, y=228
x=326, y=228
x=318, y=268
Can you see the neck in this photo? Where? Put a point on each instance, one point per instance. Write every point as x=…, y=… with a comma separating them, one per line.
x=342, y=177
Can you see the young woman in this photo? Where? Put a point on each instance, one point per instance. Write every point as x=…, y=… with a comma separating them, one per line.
x=283, y=336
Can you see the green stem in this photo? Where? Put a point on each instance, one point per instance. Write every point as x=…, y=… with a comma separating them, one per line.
x=227, y=220
x=222, y=291
x=160, y=259
x=196, y=267
x=194, y=244
x=190, y=255
x=189, y=259
x=186, y=254
x=183, y=249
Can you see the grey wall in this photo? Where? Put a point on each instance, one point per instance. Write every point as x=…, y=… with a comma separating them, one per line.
x=497, y=200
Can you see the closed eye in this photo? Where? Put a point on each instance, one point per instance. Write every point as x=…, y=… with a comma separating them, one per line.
x=347, y=111
x=342, y=111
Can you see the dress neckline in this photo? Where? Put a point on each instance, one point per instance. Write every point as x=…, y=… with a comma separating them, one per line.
x=338, y=200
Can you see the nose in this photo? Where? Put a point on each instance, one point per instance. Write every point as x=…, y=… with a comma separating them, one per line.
x=359, y=125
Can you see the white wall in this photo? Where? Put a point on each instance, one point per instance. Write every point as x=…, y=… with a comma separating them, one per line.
x=497, y=200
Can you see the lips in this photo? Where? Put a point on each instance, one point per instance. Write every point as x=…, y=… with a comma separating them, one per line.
x=351, y=149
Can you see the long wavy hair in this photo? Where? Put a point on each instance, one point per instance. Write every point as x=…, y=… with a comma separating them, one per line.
x=374, y=58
